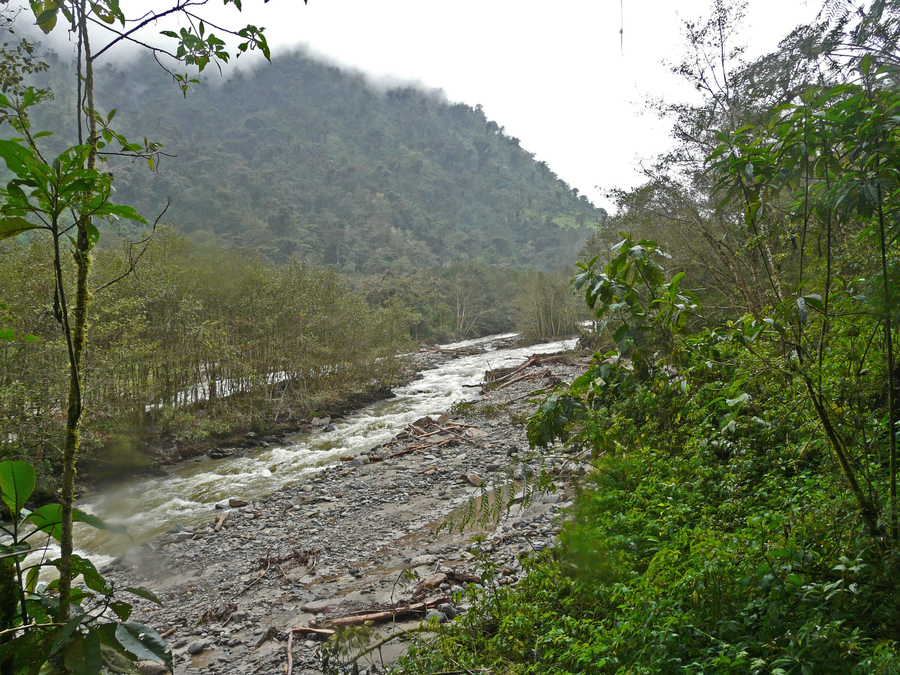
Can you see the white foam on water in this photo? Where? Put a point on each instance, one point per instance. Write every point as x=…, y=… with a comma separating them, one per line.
x=188, y=496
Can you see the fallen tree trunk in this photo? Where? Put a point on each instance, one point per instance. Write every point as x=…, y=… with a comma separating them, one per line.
x=378, y=617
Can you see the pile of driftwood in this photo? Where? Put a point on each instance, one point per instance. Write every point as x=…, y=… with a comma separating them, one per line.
x=504, y=377
x=456, y=352
x=425, y=434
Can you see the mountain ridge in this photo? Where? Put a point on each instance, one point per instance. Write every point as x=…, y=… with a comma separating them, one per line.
x=299, y=158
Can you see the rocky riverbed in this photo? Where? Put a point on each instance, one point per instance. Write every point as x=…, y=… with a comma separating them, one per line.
x=247, y=592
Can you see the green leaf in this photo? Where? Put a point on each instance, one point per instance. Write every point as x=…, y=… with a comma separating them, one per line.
x=66, y=632
x=121, y=608
x=17, y=480
x=16, y=156
x=92, y=577
x=143, y=642
x=13, y=226
x=31, y=578
x=93, y=233
x=45, y=14
x=142, y=592
x=48, y=518
x=741, y=398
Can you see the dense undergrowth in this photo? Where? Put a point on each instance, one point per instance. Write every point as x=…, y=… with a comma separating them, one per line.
x=714, y=535
x=741, y=514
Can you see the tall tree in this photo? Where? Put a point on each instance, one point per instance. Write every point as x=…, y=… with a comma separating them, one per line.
x=64, y=196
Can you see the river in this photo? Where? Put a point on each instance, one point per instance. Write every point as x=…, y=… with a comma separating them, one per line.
x=187, y=496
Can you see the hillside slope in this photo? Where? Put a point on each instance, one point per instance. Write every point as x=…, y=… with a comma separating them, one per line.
x=300, y=158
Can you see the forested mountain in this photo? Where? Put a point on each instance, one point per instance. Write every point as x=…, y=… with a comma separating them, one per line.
x=298, y=158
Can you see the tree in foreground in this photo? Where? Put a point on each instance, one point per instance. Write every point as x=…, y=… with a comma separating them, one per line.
x=67, y=197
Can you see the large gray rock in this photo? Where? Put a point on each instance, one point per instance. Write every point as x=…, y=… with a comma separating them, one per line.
x=420, y=560
x=434, y=614
x=196, y=647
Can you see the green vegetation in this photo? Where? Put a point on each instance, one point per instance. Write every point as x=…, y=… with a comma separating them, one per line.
x=194, y=344
x=300, y=159
x=741, y=515
x=63, y=199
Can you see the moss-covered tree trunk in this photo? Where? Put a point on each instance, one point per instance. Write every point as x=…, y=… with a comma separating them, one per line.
x=78, y=338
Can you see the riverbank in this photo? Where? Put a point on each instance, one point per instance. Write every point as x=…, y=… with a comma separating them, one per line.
x=235, y=589
x=111, y=466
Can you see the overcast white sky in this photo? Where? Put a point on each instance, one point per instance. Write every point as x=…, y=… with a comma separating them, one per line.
x=551, y=72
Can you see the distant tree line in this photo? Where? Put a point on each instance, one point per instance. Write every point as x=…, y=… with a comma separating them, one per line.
x=194, y=343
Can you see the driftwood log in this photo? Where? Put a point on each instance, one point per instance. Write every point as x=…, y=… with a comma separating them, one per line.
x=379, y=617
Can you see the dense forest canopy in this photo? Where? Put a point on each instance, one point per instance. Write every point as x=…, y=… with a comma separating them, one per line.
x=300, y=159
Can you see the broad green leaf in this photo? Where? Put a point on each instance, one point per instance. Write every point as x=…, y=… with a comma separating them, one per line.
x=142, y=592
x=15, y=225
x=63, y=636
x=17, y=157
x=31, y=579
x=143, y=642
x=45, y=14
x=17, y=480
x=48, y=518
x=82, y=656
x=741, y=398
x=121, y=608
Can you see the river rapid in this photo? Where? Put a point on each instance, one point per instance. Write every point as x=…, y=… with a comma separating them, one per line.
x=188, y=495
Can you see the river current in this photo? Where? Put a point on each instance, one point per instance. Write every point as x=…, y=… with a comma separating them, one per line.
x=188, y=495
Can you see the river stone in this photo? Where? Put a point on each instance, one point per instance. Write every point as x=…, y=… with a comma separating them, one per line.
x=448, y=610
x=359, y=461
x=474, y=479
x=236, y=503
x=196, y=647
x=323, y=605
x=151, y=668
x=434, y=580
x=420, y=560
x=434, y=614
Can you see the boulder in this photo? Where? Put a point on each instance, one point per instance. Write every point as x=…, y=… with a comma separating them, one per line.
x=434, y=580
x=196, y=647
x=151, y=668
x=421, y=560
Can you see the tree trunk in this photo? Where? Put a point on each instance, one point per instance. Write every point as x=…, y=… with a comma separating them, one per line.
x=82, y=257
